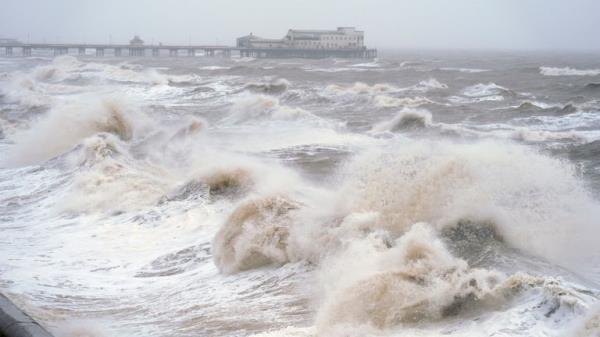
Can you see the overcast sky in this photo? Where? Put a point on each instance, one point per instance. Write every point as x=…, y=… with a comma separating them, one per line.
x=471, y=24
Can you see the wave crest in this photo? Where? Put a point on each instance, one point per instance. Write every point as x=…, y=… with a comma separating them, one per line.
x=405, y=120
x=275, y=87
x=262, y=107
x=416, y=280
x=229, y=182
x=66, y=125
x=254, y=235
x=440, y=182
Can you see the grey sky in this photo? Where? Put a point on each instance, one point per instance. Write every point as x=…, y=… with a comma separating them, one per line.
x=505, y=24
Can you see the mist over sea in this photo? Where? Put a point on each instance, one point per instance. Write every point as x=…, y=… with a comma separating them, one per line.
x=418, y=194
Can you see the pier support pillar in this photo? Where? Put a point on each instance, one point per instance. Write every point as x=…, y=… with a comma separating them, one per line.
x=8, y=51
x=57, y=51
x=99, y=52
x=155, y=52
x=191, y=52
x=136, y=51
x=81, y=51
x=172, y=52
x=26, y=51
x=118, y=52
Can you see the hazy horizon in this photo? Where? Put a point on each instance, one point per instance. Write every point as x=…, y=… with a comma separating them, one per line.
x=426, y=24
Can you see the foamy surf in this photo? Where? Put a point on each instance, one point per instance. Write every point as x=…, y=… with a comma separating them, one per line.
x=568, y=71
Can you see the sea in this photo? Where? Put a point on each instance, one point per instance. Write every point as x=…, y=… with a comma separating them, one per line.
x=423, y=193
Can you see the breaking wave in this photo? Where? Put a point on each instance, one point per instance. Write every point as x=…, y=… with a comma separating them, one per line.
x=482, y=92
x=536, y=203
x=415, y=280
x=254, y=235
x=381, y=88
x=553, y=109
x=427, y=85
x=65, y=68
x=275, y=87
x=382, y=262
x=262, y=107
x=593, y=87
x=406, y=120
x=440, y=182
x=77, y=121
x=229, y=182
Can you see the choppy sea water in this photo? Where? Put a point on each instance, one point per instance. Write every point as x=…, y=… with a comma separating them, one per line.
x=420, y=194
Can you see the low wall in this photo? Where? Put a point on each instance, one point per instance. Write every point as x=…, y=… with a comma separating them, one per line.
x=15, y=323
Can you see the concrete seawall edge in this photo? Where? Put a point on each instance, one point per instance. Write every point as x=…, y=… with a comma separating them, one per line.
x=16, y=323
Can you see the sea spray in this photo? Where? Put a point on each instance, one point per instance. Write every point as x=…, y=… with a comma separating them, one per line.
x=76, y=121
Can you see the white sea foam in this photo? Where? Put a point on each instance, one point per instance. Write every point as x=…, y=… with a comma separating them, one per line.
x=568, y=71
x=262, y=107
x=471, y=100
x=586, y=326
x=572, y=121
x=481, y=93
x=479, y=90
x=384, y=101
x=214, y=68
x=465, y=70
x=366, y=65
x=361, y=88
x=427, y=85
x=441, y=183
x=381, y=88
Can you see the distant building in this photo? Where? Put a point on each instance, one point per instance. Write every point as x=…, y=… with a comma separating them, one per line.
x=253, y=41
x=341, y=38
x=136, y=41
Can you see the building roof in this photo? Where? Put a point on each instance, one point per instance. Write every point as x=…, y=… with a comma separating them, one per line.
x=249, y=37
x=339, y=30
x=253, y=37
x=136, y=40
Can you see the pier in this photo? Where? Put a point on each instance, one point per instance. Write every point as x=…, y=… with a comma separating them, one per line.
x=343, y=42
x=123, y=50
x=118, y=50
